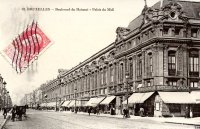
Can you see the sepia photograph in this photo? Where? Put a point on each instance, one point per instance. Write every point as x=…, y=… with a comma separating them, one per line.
x=99, y=64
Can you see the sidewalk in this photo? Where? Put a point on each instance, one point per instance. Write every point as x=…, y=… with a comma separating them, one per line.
x=3, y=121
x=175, y=120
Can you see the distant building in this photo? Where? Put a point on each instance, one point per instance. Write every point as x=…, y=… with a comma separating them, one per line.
x=5, y=99
x=155, y=61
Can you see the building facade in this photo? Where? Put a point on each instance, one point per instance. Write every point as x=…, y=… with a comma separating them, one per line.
x=5, y=99
x=154, y=61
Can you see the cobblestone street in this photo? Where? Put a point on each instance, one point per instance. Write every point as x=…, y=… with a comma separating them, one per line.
x=60, y=120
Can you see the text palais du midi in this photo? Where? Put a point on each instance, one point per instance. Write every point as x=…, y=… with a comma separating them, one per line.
x=84, y=9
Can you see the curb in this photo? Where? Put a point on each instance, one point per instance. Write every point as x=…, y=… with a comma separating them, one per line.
x=4, y=122
x=182, y=123
x=194, y=124
x=106, y=116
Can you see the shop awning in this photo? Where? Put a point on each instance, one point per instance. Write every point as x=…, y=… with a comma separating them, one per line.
x=89, y=103
x=107, y=100
x=138, y=98
x=98, y=100
x=51, y=104
x=196, y=96
x=94, y=101
x=71, y=103
x=43, y=105
x=177, y=97
x=66, y=103
x=60, y=104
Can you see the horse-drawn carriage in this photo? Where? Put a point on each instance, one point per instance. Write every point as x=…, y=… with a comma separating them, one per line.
x=18, y=111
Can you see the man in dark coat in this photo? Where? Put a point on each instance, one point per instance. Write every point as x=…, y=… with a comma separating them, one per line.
x=13, y=111
x=20, y=113
x=5, y=112
x=89, y=110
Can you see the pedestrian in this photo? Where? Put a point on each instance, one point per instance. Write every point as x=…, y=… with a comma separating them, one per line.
x=89, y=111
x=4, y=113
x=124, y=113
x=98, y=111
x=13, y=112
x=187, y=112
x=76, y=110
x=114, y=111
x=141, y=111
x=95, y=110
x=20, y=113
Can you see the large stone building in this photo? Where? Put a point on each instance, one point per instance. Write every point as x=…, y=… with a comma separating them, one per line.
x=155, y=61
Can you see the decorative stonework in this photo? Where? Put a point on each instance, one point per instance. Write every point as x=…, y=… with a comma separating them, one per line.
x=170, y=12
x=121, y=33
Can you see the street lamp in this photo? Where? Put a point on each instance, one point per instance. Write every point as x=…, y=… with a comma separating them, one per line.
x=127, y=92
x=7, y=98
x=56, y=101
x=45, y=96
x=4, y=86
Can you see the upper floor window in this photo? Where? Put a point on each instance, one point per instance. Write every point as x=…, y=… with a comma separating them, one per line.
x=88, y=82
x=104, y=76
x=193, y=84
x=102, y=73
x=148, y=83
x=194, y=63
x=130, y=68
x=111, y=73
x=172, y=62
x=92, y=81
x=177, y=31
x=139, y=69
x=95, y=79
x=172, y=82
x=121, y=72
x=150, y=64
x=165, y=31
x=129, y=45
x=194, y=33
x=138, y=40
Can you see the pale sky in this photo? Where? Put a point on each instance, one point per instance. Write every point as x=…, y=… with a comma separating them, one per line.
x=75, y=35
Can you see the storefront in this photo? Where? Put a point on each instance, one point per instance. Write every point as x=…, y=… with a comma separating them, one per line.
x=173, y=103
x=51, y=105
x=139, y=100
x=195, y=108
x=107, y=104
x=65, y=105
x=94, y=103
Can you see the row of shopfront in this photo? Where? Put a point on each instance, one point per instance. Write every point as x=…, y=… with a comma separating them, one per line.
x=154, y=104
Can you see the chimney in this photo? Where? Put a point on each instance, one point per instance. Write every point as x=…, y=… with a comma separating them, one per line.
x=145, y=2
x=161, y=3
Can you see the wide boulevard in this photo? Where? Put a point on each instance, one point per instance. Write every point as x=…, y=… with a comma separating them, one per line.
x=63, y=120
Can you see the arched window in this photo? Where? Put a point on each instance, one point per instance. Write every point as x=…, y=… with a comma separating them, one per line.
x=172, y=62
x=150, y=64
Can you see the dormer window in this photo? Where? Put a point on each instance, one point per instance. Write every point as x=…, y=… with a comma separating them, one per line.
x=165, y=31
x=173, y=15
x=194, y=33
x=138, y=40
x=177, y=31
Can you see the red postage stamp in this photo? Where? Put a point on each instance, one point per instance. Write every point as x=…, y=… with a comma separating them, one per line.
x=26, y=47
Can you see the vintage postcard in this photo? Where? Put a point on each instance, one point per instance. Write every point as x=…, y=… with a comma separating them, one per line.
x=99, y=64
